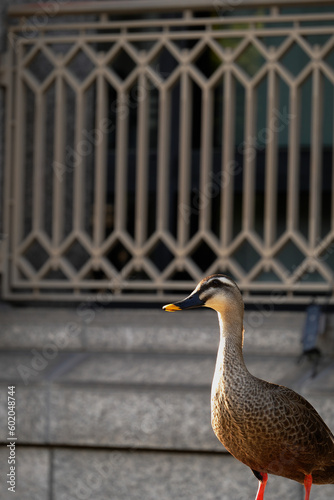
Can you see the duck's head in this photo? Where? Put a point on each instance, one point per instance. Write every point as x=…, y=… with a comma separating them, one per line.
x=219, y=292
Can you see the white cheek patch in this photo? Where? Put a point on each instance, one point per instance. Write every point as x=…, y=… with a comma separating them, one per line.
x=211, y=293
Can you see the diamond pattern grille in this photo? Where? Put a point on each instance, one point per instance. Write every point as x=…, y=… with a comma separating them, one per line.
x=80, y=66
x=250, y=60
x=295, y=59
x=156, y=152
x=40, y=66
x=122, y=64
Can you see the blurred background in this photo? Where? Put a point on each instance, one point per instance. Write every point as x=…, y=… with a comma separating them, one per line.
x=144, y=145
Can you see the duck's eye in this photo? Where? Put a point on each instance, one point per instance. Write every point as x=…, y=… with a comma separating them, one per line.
x=215, y=283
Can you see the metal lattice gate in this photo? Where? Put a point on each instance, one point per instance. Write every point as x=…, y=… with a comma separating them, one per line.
x=144, y=151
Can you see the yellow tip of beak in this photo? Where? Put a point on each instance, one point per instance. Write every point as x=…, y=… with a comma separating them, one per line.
x=171, y=308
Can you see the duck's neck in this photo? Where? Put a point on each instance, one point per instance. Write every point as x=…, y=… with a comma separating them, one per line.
x=230, y=360
x=231, y=330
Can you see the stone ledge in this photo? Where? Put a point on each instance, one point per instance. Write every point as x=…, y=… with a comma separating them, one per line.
x=151, y=476
x=165, y=369
x=143, y=330
x=167, y=419
x=158, y=369
x=136, y=475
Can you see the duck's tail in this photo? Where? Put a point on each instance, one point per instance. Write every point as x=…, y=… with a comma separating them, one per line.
x=325, y=476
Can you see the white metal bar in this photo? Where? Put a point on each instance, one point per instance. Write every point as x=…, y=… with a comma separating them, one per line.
x=293, y=160
x=141, y=202
x=39, y=163
x=184, y=202
x=173, y=35
x=205, y=190
x=20, y=138
x=19, y=175
x=228, y=167
x=121, y=162
x=59, y=158
x=100, y=143
x=126, y=6
x=316, y=159
x=164, y=129
x=271, y=161
x=6, y=240
x=332, y=191
x=79, y=165
x=248, y=208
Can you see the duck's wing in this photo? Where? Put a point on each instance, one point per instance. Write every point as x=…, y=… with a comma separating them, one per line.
x=304, y=426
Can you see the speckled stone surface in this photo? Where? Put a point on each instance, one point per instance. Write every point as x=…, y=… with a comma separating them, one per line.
x=129, y=391
x=151, y=476
x=32, y=474
x=144, y=418
x=31, y=414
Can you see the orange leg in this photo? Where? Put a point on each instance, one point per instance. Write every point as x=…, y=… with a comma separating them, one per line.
x=307, y=484
x=262, y=486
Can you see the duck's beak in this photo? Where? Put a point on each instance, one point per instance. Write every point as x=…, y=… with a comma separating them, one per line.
x=189, y=302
